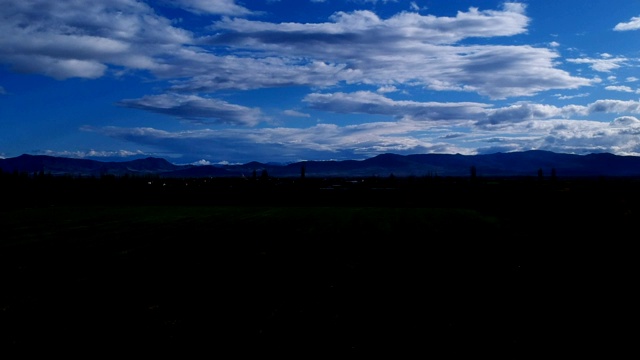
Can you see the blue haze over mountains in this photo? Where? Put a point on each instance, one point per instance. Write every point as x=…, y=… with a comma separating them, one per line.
x=527, y=163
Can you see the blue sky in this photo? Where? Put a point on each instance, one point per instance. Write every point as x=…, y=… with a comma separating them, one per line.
x=234, y=81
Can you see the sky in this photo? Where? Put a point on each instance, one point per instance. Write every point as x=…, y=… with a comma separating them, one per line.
x=235, y=81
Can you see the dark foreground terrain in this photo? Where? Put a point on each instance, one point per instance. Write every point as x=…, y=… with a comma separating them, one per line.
x=500, y=267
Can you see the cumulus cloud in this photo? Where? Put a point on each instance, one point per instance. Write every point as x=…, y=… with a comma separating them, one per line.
x=365, y=102
x=365, y=27
x=633, y=24
x=604, y=64
x=405, y=136
x=568, y=97
x=521, y=112
x=201, y=162
x=295, y=113
x=217, y=7
x=82, y=38
x=195, y=108
x=619, y=88
x=409, y=48
x=614, y=106
x=387, y=89
x=232, y=72
x=86, y=39
x=480, y=114
x=58, y=68
x=626, y=121
x=319, y=142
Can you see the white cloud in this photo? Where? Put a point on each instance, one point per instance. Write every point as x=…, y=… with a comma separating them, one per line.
x=615, y=106
x=481, y=114
x=626, y=121
x=201, y=162
x=81, y=38
x=318, y=142
x=85, y=39
x=606, y=64
x=218, y=7
x=371, y=29
x=633, y=24
x=365, y=102
x=405, y=136
x=386, y=89
x=409, y=48
x=521, y=112
x=232, y=72
x=57, y=68
x=198, y=109
x=619, y=88
x=419, y=127
x=295, y=113
x=568, y=97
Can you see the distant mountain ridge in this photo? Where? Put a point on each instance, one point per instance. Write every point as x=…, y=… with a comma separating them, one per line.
x=526, y=163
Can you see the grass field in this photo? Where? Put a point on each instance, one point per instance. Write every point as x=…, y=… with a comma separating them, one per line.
x=491, y=279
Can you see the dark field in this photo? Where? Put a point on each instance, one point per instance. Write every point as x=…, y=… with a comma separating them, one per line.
x=502, y=267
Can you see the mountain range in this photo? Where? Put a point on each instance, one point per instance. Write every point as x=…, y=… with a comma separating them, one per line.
x=525, y=163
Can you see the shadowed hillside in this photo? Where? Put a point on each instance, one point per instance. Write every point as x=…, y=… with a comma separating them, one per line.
x=527, y=163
